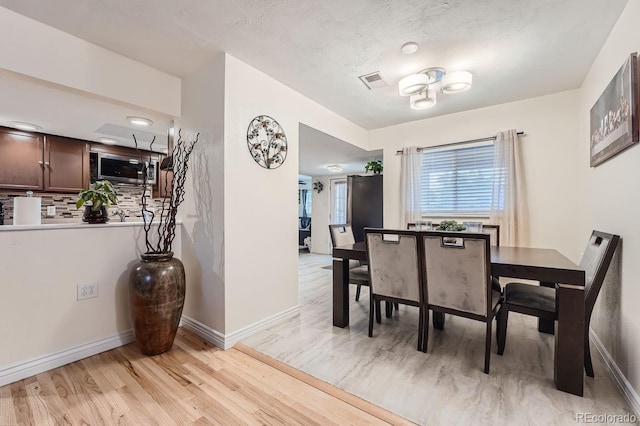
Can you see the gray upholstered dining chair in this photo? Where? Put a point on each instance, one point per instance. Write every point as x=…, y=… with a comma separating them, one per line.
x=394, y=273
x=457, y=279
x=541, y=301
x=342, y=235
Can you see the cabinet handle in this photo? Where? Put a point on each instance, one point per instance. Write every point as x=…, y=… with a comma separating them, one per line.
x=40, y=162
x=46, y=163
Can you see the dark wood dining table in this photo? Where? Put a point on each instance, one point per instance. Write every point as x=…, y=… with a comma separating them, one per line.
x=547, y=266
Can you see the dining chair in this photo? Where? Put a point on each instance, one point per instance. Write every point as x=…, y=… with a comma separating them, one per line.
x=342, y=235
x=394, y=274
x=494, y=233
x=541, y=301
x=457, y=279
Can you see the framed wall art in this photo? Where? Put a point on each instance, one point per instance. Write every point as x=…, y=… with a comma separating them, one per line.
x=267, y=142
x=614, y=116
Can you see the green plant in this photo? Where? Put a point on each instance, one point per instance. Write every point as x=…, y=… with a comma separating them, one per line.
x=100, y=193
x=374, y=166
x=450, y=225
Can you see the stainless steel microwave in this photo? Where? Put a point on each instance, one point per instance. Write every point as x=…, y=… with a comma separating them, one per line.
x=123, y=169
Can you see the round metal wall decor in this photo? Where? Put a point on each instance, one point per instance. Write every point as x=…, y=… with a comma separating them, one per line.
x=267, y=142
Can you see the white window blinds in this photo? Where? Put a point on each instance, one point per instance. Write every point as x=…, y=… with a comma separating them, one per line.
x=457, y=181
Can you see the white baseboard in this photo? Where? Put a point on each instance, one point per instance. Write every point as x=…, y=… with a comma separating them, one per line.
x=623, y=384
x=48, y=362
x=226, y=341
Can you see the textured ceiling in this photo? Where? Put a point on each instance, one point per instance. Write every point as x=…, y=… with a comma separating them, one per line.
x=515, y=48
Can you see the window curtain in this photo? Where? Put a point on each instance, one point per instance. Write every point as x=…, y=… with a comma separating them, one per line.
x=411, y=171
x=304, y=202
x=508, y=194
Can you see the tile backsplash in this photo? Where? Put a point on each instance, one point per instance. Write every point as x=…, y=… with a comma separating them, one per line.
x=128, y=201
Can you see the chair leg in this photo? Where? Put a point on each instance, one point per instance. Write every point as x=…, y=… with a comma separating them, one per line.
x=388, y=309
x=358, y=293
x=438, y=320
x=396, y=305
x=487, y=348
x=378, y=313
x=503, y=316
x=424, y=327
x=371, y=312
x=588, y=366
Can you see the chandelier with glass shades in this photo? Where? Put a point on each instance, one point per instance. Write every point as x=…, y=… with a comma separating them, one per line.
x=422, y=86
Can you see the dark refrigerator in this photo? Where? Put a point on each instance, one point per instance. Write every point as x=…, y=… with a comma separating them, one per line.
x=364, y=203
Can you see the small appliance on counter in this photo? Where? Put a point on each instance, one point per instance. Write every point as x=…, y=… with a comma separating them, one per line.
x=27, y=210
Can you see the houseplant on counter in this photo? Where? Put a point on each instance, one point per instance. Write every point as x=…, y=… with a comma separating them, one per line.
x=157, y=280
x=100, y=196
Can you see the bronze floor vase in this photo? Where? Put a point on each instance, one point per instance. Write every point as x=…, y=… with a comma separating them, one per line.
x=156, y=293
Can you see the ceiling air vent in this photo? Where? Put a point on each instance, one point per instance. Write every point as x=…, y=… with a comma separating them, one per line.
x=375, y=80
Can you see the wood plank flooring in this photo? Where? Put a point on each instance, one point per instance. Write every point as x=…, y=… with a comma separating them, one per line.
x=194, y=383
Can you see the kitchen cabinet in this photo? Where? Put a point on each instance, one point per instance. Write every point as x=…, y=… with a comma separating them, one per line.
x=21, y=160
x=66, y=164
x=36, y=162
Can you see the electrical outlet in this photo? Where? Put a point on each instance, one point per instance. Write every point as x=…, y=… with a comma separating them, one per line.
x=51, y=211
x=87, y=291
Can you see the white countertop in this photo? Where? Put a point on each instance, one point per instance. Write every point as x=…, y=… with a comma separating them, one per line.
x=72, y=225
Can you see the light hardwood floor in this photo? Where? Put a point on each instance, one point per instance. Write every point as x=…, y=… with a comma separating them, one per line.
x=194, y=383
x=444, y=386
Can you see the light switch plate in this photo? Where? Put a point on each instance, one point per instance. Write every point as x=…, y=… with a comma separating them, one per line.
x=51, y=211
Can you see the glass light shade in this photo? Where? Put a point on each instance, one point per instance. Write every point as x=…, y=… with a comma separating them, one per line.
x=413, y=84
x=334, y=168
x=457, y=81
x=23, y=125
x=424, y=100
x=139, y=121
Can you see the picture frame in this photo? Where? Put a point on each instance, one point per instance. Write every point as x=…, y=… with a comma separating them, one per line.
x=614, y=116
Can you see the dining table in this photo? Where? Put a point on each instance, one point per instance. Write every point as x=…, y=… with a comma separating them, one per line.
x=546, y=266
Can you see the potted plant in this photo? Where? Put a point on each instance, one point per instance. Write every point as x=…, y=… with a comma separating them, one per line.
x=450, y=225
x=96, y=200
x=374, y=166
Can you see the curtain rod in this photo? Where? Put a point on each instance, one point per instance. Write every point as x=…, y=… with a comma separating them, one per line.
x=490, y=138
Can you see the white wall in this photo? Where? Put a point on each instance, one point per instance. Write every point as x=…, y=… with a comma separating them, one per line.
x=261, y=275
x=548, y=150
x=39, y=313
x=203, y=210
x=43, y=52
x=610, y=201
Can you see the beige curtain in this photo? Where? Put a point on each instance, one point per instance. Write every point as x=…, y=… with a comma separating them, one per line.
x=508, y=204
x=411, y=170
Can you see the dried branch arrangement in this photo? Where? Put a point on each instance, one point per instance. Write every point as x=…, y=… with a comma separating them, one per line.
x=172, y=197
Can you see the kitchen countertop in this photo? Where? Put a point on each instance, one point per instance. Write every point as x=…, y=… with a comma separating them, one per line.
x=69, y=225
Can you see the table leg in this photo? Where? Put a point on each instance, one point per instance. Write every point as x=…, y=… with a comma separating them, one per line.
x=545, y=325
x=570, y=335
x=340, y=293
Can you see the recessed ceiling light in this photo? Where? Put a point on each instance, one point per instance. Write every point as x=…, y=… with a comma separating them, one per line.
x=409, y=48
x=108, y=141
x=334, y=168
x=139, y=121
x=22, y=125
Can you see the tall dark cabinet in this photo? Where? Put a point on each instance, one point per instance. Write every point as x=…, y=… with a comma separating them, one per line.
x=364, y=203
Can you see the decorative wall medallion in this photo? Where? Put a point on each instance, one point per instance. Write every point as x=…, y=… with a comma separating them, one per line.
x=267, y=142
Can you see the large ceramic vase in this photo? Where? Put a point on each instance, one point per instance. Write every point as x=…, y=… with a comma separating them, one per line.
x=156, y=293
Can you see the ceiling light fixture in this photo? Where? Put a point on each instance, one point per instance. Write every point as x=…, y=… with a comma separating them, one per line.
x=424, y=100
x=108, y=141
x=421, y=86
x=455, y=82
x=23, y=125
x=139, y=121
x=409, y=48
x=334, y=168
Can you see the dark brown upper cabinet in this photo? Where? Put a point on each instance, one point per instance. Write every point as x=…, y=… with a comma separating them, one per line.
x=36, y=162
x=21, y=160
x=66, y=164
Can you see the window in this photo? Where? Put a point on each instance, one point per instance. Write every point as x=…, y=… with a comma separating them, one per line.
x=458, y=181
x=338, y=201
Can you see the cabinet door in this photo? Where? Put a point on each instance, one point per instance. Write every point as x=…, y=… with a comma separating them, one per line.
x=20, y=160
x=66, y=165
